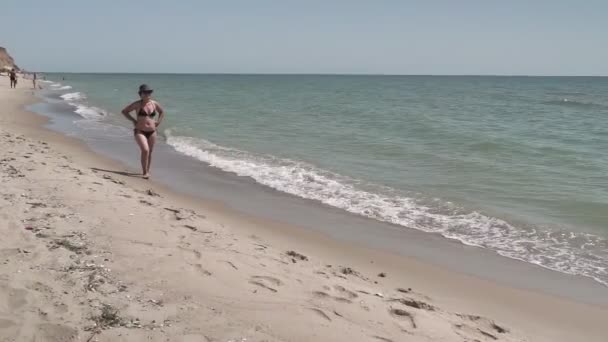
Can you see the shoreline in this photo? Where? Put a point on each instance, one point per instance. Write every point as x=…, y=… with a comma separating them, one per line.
x=540, y=317
x=187, y=175
x=392, y=188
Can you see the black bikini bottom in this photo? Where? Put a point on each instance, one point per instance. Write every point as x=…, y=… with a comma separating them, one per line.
x=146, y=134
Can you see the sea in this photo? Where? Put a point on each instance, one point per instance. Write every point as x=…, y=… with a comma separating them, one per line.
x=514, y=165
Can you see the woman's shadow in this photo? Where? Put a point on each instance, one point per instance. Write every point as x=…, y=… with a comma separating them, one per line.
x=122, y=173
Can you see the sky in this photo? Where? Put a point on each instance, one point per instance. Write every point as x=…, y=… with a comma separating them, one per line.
x=450, y=37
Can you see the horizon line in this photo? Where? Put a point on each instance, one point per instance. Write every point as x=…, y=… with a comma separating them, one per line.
x=307, y=74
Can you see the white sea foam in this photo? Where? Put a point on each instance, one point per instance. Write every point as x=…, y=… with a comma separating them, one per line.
x=89, y=112
x=573, y=253
x=77, y=96
x=76, y=99
x=57, y=85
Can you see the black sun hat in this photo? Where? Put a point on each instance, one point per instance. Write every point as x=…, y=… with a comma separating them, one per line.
x=144, y=88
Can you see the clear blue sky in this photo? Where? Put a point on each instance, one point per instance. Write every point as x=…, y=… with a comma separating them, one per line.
x=534, y=37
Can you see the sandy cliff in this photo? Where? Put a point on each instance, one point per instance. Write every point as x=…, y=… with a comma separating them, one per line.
x=6, y=60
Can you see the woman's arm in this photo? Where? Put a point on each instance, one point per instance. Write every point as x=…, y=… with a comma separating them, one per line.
x=161, y=113
x=127, y=112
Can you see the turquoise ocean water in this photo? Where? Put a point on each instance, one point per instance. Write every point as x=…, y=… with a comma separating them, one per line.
x=517, y=165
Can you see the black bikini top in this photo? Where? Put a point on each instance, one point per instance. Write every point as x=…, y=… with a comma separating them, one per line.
x=142, y=112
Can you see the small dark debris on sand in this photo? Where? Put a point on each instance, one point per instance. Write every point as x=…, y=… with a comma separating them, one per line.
x=297, y=256
x=152, y=193
x=181, y=214
x=413, y=303
x=382, y=275
x=192, y=228
x=108, y=318
x=37, y=204
x=343, y=271
x=499, y=329
x=347, y=271
x=473, y=318
x=399, y=312
x=402, y=290
x=231, y=264
x=487, y=334
x=71, y=245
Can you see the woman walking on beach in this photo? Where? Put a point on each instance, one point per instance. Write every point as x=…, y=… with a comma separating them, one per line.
x=145, y=125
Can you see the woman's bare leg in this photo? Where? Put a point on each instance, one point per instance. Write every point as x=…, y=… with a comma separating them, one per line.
x=142, y=142
x=151, y=143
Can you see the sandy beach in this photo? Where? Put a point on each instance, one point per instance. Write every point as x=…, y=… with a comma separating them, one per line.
x=91, y=253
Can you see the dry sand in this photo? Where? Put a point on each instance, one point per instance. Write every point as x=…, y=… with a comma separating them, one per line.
x=92, y=255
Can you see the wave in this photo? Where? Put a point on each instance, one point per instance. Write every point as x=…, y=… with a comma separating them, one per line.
x=89, y=112
x=568, y=252
x=77, y=96
x=59, y=86
x=86, y=111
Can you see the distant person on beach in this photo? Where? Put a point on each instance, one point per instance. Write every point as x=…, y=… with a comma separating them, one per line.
x=145, y=125
x=34, y=79
x=13, y=77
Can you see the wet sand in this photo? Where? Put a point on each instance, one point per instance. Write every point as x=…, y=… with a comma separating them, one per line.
x=90, y=253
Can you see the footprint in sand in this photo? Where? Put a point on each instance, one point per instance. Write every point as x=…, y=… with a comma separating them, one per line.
x=191, y=252
x=338, y=293
x=479, y=328
x=404, y=315
x=196, y=255
x=324, y=295
x=414, y=303
x=321, y=313
x=40, y=287
x=466, y=331
x=201, y=270
x=345, y=292
x=266, y=282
